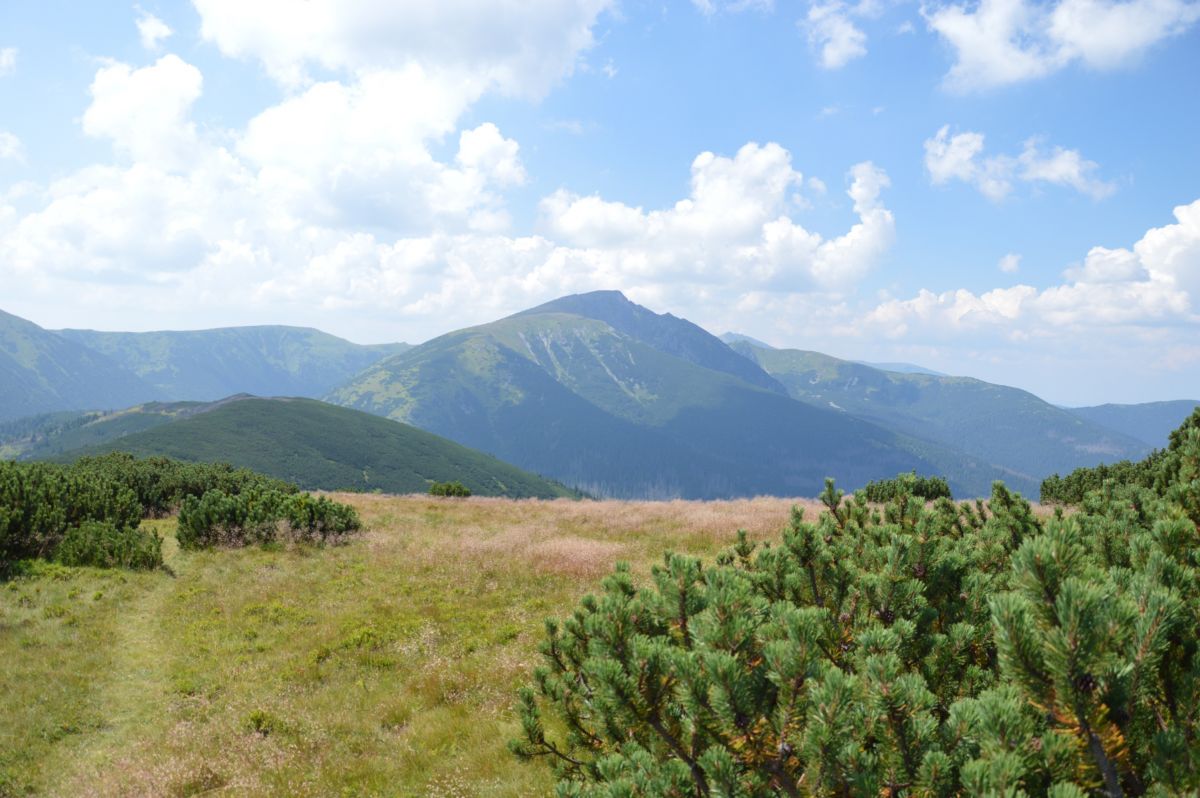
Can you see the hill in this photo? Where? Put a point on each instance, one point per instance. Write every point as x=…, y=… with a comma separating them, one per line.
x=1149, y=422
x=205, y=365
x=605, y=395
x=40, y=372
x=1013, y=430
x=44, y=436
x=320, y=446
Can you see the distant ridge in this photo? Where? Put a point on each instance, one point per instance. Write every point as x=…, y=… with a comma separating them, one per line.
x=603, y=394
x=1149, y=422
x=41, y=372
x=321, y=446
x=205, y=365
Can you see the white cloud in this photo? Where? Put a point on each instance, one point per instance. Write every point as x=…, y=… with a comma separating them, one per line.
x=520, y=49
x=8, y=61
x=10, y=147
x=1010, y=263
x=831, y=32
x=145, y=112
x=152, y=31
x=960, y=157
x=999, y=42
x=731, y=230
x=1154, y=284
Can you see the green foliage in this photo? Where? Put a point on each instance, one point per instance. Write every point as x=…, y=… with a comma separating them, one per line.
x=324, y=447
x=922, y=651
x=261, y=516
x=1157, y=471
x=105, y=545
x=455, y=488
x=927, y=488
x=39, y=503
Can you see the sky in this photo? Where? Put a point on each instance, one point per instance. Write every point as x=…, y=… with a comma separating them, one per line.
x=1006, y=189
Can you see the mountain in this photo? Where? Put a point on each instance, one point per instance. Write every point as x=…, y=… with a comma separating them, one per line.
x=204, y=365
x=605, y=395
x=320, y=446
x=1022, y=436
x=41, y=372
x=733, y=338
x=902, y=368
x=1149, y=422
x=45, y=436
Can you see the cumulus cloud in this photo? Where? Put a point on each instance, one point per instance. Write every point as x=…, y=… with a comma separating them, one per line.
x=520, y=49
x=1154, y=283
x=152, y=31
x=1000, y=42
x=833, y=35
x=8, y=61
x=732, y=229
x=146, y=112
x=710, y=7
x=960, y=157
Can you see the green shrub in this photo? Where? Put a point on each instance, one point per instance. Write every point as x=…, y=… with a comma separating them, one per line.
x=930, y=651
x=887, y=490
x=261, y=516
x=104, y=545
x=449, y=489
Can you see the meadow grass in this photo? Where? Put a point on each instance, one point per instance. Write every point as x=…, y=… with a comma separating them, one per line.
x=385, y=666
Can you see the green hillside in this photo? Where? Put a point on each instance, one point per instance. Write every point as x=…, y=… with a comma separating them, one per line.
x=204, y=365
x=41, y=372
x=47, y=435
x=1149, y=422
x=1023, y=436
x=320, y=446
x=656, y=409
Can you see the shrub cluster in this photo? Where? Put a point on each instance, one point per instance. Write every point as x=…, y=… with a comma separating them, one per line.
x=1156, y=472
x=455, y=488
x=915, y=650
x=41, y=505
x=904, y=485
x=161, y=484
x=261, y=516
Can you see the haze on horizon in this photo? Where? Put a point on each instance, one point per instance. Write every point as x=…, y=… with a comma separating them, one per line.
x=1007, y=190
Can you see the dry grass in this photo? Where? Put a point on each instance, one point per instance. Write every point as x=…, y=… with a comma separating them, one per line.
x=387, y=666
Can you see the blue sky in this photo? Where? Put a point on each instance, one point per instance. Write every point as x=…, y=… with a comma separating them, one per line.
x=1008, y=189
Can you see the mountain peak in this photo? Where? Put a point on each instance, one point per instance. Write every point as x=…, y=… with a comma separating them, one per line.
x=662, y=331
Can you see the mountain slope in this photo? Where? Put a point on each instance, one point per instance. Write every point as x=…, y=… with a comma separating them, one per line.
x=630, y=412
x=44, y=436
x=1006, y=427
x=320, y=446
x=204, y=365
x=1149, y=422
x=41, y=373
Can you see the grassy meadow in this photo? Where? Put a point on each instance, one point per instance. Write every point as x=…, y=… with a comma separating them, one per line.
x=386, y=666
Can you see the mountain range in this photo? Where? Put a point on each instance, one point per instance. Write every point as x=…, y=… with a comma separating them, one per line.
x=591, y=390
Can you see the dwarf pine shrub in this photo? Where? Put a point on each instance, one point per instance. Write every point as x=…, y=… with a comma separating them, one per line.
x=939, y=650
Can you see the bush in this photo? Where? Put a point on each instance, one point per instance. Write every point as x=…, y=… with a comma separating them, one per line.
x=449, y=489
x=261, y=516
x=888, y=490
x=104, y=545
x=934, y=651
x=40, y=502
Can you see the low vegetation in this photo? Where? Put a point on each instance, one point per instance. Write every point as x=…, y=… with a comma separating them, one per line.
x=905, y=485
x=453, y=489
x=262, y=516
x=924, y=651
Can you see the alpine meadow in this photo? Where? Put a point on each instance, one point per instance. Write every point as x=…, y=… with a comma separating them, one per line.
x=600, y=399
